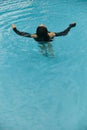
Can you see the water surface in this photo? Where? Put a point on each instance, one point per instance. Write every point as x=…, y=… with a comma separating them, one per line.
x=38, y=92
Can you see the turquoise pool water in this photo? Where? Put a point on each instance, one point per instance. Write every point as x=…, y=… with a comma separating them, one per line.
x=38, y=92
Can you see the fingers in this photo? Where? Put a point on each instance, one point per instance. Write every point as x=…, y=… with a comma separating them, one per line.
x=13, y=26
x=72, y=25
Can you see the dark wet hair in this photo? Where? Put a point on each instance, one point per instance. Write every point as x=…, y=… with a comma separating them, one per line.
x=42, y=33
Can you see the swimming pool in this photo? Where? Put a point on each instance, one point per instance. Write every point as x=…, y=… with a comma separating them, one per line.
x=38, y=92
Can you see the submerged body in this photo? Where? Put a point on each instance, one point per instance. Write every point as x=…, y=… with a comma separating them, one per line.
x=43, y=36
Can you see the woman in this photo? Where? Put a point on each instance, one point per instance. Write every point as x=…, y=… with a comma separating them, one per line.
x=43, y=36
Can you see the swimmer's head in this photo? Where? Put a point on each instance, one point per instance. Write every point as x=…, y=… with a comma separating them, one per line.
x=42, y=25
x=42, y=30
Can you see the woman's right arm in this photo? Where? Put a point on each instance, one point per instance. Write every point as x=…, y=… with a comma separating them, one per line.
x=20, y=33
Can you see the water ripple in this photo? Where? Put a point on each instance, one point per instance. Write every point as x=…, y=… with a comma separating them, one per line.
x=14, y=11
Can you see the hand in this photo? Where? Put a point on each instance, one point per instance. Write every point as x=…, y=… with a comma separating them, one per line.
x=72, y=25
x=13, y=26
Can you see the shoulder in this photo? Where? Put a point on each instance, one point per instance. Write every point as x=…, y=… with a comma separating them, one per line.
x=51, y=34
x=34, y=35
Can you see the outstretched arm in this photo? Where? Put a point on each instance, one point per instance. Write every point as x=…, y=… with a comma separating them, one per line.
x=20, y=33
x=65, y=32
